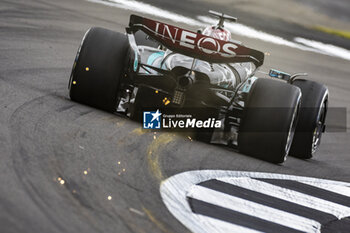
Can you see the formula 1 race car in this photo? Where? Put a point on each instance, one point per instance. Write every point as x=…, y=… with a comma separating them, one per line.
x=160, y=66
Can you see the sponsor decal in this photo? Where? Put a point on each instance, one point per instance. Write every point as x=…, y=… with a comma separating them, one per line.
x=208, y=41
x=191, y=40
x=196, y=45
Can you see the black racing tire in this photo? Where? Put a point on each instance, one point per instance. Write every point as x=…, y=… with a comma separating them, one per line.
x=312, y=118
x=270, y=116
x=98, y=68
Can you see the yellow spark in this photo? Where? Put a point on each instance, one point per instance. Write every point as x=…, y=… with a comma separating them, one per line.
x=74, y=82
x=118, y=162
x=156, y=91
x=109, y=198
x=62, y=182
x=165, y=99
x=123, y=169
x=167, y=102
x=59, y=178
x=154, y=137
x=153, y=154
x=85, y=172
x=87, y=69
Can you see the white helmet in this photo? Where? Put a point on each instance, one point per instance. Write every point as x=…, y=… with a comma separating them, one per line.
x=218, y=30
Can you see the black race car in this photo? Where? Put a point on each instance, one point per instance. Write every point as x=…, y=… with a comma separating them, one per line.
x=160, y=66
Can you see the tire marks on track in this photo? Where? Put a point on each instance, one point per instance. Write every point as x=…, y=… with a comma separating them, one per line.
x=153, y=153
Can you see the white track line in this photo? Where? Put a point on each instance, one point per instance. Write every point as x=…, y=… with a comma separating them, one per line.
x=253, y=209
x=175, y=189
x=222, y=226
x=335, y=209
x=329, y=187
x=326, y=48
x=145, y=8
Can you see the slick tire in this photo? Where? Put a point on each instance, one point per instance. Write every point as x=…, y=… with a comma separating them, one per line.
x=312, y=117
x=98, y=68
x=270, y=116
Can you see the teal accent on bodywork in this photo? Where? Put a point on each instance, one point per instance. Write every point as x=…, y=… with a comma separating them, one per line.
x=248, y=84
x=224, y=85
x=275, y=73
x=136, y=61
x=153, y=57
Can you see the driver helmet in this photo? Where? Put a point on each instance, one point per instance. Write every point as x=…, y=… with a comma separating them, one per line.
x=217, y=33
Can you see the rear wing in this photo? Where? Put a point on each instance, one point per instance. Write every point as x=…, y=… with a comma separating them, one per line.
x=194, y=44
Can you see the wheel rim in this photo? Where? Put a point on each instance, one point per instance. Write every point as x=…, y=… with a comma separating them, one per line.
x=321, y=117
x=292, y=128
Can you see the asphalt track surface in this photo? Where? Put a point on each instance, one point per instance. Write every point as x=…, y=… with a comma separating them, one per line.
x=46, y=138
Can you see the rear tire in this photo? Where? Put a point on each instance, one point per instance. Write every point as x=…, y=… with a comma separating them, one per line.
x=312, y=118
x=98, y=68
x=267, y=128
